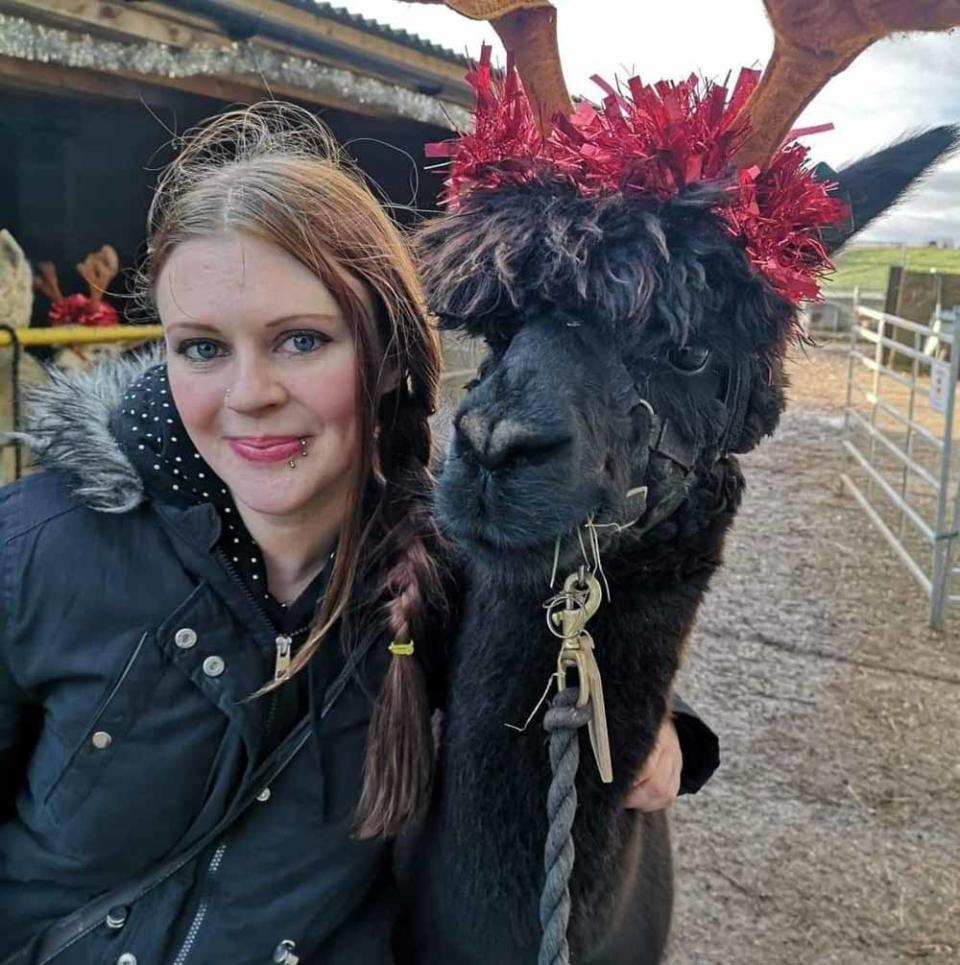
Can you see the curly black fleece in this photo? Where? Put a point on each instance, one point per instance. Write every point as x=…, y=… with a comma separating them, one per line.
x=586, y=304
x=582, y=302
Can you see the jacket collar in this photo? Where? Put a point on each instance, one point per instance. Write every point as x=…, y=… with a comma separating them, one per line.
x=69, y=428
x=73, y=427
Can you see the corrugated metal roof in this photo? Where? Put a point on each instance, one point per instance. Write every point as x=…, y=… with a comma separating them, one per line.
x=395, y=34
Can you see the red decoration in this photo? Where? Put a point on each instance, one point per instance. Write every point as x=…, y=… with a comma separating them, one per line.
x=80, y=310
x=654, y=142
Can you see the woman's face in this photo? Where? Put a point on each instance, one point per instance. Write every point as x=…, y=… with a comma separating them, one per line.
x=260, y=357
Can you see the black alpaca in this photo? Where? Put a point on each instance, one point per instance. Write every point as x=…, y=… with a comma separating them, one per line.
x=631, y=345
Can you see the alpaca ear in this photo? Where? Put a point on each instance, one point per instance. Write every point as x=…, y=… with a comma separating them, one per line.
x=875, y=183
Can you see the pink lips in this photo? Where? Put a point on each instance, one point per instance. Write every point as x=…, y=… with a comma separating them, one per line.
x=265, y=448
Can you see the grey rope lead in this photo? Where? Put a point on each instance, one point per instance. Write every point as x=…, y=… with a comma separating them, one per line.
x=562, y=721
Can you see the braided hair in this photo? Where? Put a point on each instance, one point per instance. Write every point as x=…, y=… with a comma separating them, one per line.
x=399, y=764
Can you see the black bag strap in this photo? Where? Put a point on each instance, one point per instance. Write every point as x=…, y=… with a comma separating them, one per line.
x=63, y=933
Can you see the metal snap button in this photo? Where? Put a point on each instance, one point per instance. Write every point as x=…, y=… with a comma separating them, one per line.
x=283, y=953
x=264, y=795
x=117, y=917
x=214, y=666
x=185, y=638
x=127, y=959
x=101, y=740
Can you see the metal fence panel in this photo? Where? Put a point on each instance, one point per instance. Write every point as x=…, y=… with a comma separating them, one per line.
x=901, y=440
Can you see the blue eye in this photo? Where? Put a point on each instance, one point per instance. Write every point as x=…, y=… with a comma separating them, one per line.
x=200, y=350
x=303, y=342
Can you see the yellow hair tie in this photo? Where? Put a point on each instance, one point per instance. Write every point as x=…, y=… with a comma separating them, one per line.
x=401, y=649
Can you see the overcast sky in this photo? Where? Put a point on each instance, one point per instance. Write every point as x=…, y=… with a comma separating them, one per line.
x=898, y=85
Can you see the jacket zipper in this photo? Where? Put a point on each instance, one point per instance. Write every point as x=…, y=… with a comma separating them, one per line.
x=254, y=602
x=284, y=645
x=283, y=642
x=201, y=913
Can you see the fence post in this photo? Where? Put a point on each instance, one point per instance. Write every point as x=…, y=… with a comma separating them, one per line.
x=878, y=364
x=944, y=535
x=851, y=361
x=15, y=349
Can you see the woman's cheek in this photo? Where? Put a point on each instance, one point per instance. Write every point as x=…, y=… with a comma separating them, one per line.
x=342, y=394
x=332, y=387
x=198, y=401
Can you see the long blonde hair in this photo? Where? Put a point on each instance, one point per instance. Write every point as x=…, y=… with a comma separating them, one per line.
x=274, y=171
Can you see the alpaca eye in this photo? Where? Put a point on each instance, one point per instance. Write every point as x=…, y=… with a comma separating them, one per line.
x=689, y=358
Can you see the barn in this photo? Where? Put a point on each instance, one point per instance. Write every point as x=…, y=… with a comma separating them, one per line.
x=91, y=93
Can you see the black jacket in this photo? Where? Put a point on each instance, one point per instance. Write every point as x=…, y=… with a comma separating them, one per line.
x=126, y=653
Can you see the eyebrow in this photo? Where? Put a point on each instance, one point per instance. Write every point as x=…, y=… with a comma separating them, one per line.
x=275, y=323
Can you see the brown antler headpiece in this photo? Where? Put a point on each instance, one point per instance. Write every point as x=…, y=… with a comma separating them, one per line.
x=98, y=269
x=528, y=30
x=814, y=41
x=694, y=141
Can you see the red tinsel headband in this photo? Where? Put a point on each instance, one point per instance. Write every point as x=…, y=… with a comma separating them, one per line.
x=654, y=142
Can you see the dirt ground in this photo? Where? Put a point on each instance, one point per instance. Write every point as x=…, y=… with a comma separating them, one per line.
x=831, y=833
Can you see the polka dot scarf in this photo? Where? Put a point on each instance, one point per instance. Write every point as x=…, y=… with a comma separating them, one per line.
x=151, y=433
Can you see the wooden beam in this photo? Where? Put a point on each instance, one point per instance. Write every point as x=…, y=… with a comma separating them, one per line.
x=72, y=81
x=128, y=86
x=120, y=21
x=249, y=90
x=153, y=23
x=156, y=23
x=455, y=86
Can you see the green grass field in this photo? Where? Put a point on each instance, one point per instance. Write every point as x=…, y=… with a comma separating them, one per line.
x=867, y=267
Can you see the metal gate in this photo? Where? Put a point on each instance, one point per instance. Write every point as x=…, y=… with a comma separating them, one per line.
x=901, y=439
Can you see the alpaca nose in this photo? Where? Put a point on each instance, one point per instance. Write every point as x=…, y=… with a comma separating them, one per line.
x=496, y=443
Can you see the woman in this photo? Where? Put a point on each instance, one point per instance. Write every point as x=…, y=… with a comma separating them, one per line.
x=212, y=717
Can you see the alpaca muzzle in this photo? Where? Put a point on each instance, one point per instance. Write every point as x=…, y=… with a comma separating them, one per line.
x=500, y=443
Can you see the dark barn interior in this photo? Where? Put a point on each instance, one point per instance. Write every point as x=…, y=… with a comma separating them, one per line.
x=76, y=173
x=82, y=147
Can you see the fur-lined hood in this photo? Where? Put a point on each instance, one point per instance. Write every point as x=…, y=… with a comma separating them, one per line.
x=68, y=427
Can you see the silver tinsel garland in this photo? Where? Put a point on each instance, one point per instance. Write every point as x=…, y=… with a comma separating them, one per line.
x=29, y=41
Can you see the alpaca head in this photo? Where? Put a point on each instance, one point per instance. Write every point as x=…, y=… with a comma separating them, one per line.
x=633, y=349
x=634, y=268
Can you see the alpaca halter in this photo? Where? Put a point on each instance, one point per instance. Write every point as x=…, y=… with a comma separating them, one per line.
x=667, y=441
x=665, y=438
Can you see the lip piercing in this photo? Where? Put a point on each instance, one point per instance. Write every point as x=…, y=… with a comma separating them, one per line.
x=226, y=395
x=303, y=451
